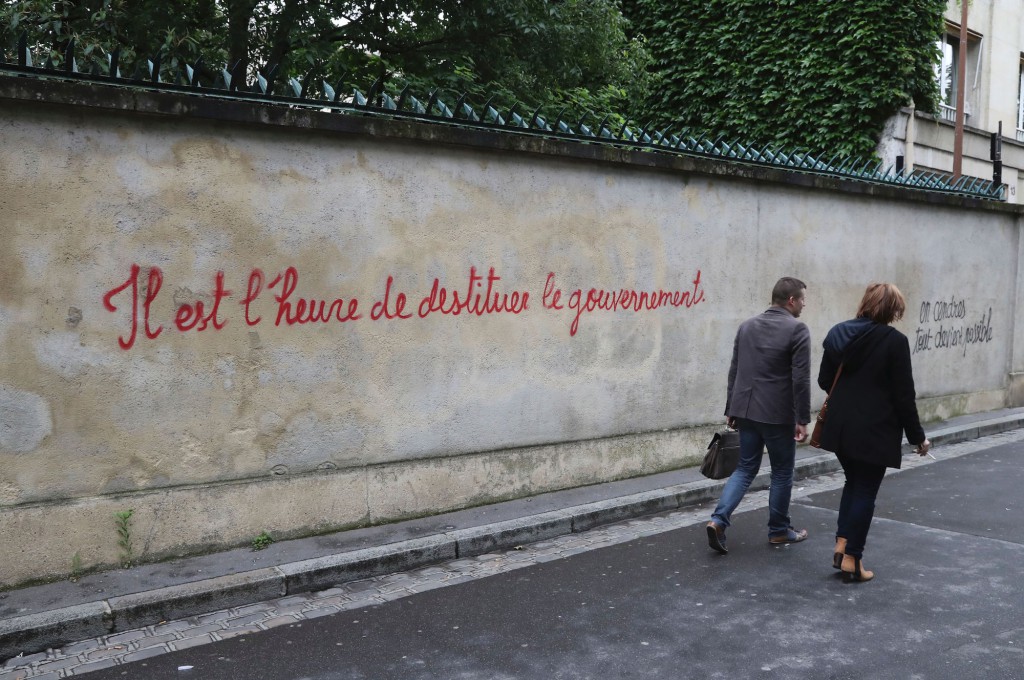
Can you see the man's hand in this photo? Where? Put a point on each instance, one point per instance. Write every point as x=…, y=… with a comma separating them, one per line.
x=730, y=422
x=801, y=432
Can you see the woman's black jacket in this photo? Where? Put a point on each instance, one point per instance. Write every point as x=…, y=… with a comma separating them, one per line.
x=873, y=403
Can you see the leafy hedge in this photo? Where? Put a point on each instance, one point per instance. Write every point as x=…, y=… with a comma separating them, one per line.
x=818, y=74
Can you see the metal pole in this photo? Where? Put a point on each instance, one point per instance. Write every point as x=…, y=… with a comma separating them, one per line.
x=961, y=85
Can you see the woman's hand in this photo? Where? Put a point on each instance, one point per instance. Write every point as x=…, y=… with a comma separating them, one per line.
x=923, y=447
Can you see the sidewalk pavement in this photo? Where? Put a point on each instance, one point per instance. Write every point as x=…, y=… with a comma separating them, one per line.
x=40, y=617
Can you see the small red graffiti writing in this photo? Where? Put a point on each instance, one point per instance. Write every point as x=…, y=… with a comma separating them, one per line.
x=307, y=310
x=481, y=296
x=383, y=307
x=156, y=279
x=473, y=301
x=191, y=314
x=625, y=299
x=551, y=292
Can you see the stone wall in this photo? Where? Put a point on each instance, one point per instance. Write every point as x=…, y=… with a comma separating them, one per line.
x=234, y=318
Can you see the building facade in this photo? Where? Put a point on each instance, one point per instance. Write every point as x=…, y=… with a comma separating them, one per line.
x=993, y=95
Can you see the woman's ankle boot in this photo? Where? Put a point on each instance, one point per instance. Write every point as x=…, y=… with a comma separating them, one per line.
x=853, y=570
x=837, y=556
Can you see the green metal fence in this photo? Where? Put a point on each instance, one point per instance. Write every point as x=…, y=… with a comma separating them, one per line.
x=382, y=99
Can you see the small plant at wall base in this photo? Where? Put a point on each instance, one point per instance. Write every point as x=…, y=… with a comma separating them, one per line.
x=262, y=541
x=123, y=520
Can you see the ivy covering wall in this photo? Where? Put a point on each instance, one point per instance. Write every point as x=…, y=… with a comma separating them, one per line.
x=818, y=74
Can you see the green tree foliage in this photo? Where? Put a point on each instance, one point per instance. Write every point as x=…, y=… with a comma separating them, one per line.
x=817, y=74
x=543, y=52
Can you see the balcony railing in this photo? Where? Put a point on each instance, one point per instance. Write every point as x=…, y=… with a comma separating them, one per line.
x=1020, y=135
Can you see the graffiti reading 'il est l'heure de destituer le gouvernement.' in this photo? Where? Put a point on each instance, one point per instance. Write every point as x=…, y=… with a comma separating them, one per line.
x=278, y=298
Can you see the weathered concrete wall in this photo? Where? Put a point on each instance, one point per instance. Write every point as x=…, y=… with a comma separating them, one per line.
x=156, y=351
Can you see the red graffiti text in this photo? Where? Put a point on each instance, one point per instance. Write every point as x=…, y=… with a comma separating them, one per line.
x=625, y=299
x=473, y=301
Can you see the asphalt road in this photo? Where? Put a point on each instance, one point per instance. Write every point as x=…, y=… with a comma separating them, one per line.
x=947, y=603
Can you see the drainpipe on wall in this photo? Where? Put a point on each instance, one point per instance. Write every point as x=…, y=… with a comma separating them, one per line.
x=961, y=84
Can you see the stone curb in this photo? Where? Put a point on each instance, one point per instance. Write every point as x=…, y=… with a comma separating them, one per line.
x=36, y=632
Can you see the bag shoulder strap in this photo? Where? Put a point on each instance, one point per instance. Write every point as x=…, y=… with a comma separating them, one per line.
x=835, y=380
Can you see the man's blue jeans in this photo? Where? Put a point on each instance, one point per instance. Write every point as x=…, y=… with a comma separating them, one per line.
x=754, y=437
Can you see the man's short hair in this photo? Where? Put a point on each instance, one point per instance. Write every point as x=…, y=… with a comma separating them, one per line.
x=785, y=288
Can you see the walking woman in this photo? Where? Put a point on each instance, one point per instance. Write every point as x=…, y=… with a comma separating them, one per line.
x=872, y=404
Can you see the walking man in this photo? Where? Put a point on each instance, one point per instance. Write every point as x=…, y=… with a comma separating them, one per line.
x=769, y=402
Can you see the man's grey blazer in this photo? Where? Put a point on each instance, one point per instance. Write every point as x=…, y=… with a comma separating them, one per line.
x=770, y=374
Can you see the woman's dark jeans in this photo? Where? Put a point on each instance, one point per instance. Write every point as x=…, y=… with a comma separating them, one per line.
x=857, y=506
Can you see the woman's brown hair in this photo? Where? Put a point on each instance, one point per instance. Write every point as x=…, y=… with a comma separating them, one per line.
x=882, y=303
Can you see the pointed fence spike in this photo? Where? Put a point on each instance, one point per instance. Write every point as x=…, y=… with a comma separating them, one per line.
x=234, y=72
x=431, y=102
x=24, y=56
x=402, y=96
x=155, y=72
x=329, y=92
x=296, y=86
x=558, y=118
x=534, y=118
x=358, y=98
x=375, y=89
x=270, y=75
x=113, y=62
x=339, y=88
x=581, y=128
x=305, y=84
x=69, y=57
x=460, y=104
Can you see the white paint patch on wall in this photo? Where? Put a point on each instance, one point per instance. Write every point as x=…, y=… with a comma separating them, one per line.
x=24, y=420
x=66, y=354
